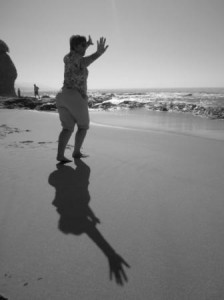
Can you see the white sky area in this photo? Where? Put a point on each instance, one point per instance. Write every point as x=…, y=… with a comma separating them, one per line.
x=152, y=43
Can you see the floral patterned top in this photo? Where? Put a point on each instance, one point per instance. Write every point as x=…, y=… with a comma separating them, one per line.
x=76, y=72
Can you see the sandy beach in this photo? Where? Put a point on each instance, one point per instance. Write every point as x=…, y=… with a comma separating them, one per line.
x=157, y=191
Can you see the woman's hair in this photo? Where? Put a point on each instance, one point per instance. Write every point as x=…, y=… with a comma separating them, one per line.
x=76, y=40
x=3, y=47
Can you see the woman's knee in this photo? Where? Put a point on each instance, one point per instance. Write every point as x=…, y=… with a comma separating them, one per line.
x=68, y=130
x=82, y=130
x=83, y=127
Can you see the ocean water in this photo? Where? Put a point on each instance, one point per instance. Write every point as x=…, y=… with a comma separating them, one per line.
x=202, y=96
x=173, y=122
x=163, y=122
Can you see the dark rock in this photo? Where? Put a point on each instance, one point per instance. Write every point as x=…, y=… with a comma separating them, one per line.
x=104, y=105
x=100, y=98
x=199, y=110
x=45, y=97
x=215, y=112
x=130, y=104
x=91, y=102
x=163, y=108
x=30, y=103
x=179, y=106
x=107, y=96
x=8, y=73
x=107, y=105
x=48, y=106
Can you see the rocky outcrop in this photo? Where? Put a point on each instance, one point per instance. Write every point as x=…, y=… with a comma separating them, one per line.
x=49, y=104
x=28, y=103
x=8, y=73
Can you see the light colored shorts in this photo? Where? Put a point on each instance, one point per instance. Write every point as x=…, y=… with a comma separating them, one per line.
x=72, y=109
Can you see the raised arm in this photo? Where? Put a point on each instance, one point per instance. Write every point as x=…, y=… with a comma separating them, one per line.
x=101, y=48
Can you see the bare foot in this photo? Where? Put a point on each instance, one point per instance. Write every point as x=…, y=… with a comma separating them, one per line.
x=63, y=159
x=79, y=155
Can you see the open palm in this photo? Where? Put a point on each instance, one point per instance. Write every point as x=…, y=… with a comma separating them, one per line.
x=101, y=45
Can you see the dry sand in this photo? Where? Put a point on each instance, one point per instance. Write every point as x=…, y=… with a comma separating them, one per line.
x=158, y=195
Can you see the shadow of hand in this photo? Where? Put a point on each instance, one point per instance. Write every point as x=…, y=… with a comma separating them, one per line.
x=116, y=263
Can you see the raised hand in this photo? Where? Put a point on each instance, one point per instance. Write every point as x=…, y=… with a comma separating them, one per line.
x=89, y=42
x=101, y=47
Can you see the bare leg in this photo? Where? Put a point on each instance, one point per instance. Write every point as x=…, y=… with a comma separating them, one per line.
x=63, y=139
x=79, y=138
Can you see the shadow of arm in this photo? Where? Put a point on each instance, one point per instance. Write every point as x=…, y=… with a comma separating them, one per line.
x=116, y=262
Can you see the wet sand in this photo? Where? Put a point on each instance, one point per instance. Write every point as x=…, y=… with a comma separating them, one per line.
x=157, y=193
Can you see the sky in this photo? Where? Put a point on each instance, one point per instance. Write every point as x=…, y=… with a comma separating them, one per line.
x=152, y=43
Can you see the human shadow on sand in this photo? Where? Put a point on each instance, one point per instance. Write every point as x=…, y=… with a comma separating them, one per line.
x=76, y=217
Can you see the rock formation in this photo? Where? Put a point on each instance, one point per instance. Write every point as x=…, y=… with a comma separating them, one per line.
x=8, y=73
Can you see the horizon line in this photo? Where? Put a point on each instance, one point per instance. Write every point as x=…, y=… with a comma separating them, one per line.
x=45, y=88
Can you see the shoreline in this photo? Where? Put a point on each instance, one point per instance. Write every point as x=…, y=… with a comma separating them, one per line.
x=144, y=120
x=172, y=122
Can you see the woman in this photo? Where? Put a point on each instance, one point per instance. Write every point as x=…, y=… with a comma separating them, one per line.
x=72, y=101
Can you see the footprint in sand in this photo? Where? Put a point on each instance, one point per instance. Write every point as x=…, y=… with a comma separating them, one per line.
x=26, y=142
x=5, y=130
x=30, y=144
x=42, y=143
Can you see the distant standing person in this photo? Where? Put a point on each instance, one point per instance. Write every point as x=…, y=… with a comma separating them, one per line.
x=19, y=93
x=36, y=91
x=72, y=100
